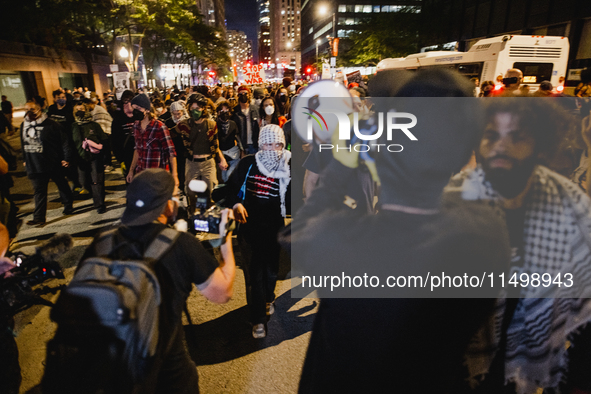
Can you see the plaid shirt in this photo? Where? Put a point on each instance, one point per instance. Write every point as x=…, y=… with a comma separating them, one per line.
x=154, y=146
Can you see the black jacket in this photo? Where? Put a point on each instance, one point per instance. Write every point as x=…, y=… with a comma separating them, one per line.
x=240, y=120
x=44, y=147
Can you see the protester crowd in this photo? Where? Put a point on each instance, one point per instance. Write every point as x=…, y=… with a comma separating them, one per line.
x=518, y=198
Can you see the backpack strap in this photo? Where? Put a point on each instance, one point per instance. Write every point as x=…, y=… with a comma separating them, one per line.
x=161, y=244
x=106, y=241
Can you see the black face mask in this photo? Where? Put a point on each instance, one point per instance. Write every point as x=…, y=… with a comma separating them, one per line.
x=224, y=116
x=31, y=116
x=80, y=114
x=283, y=99
x=138, y=115
x=243, y=98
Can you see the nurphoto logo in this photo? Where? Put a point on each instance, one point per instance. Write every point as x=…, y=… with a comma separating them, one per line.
x=371, y=132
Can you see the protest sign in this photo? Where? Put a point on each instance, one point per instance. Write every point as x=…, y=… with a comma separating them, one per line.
x=253, y=74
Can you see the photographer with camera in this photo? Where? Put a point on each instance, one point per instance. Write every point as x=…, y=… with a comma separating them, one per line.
x=177, y=260
x=260, y=196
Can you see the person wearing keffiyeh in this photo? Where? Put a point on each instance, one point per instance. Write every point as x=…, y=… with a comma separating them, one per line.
x=260, y=196
x=539, y=336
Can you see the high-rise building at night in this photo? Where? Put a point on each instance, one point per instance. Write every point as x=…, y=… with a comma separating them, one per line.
x=263, y=33
x=320, y=16
x=213, y=12
x=285, y=18
x=240, y=49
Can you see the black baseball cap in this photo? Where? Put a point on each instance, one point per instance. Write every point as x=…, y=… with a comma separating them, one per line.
x=147, y=196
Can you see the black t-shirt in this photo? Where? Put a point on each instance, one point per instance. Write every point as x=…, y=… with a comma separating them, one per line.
x=185, y=263
x=122, y=136
x=227, y=134
x=64, y=116
x=6, y=107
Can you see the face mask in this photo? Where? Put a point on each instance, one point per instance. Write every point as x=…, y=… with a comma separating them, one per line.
x=224, y=116
x=243, y=98
x=269, y=109
x=61, y=102
x=80, y=114
x=31, y=116
x=196, y=114
x=138, y=115
x=283, y=98
x=258, y=101
x=159, y=110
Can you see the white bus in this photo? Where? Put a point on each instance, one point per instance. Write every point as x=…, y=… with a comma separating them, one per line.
x=540, y=58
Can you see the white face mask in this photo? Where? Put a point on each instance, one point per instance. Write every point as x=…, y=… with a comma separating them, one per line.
x=269, y=109
x=159, y=110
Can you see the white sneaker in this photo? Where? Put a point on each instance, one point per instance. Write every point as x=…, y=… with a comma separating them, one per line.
x=259, y=331
x=270, y=308
x=108, y=169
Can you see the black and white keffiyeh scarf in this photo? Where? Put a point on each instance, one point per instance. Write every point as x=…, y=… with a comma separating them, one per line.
x=557, y=239
x=274, y=163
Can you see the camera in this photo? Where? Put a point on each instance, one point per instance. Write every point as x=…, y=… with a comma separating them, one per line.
x=207, y=218
x=16, y=290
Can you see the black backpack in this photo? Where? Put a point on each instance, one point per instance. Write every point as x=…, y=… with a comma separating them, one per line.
x=107, y=335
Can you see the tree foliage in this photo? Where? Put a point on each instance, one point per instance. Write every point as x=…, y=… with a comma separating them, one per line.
x=173, y=30
x=386, y=35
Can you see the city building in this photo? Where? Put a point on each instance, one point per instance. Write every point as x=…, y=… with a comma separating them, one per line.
x=240, y=49
x=286, y=20
x=213, y=12
x=263, y=32
x=324, y=19
x=27, y=70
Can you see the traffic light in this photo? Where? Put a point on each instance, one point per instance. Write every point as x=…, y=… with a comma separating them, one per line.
x=212, y=74
x=308, y=70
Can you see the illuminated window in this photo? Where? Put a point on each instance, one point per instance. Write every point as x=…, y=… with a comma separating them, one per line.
x=342, y=8
x=367, y=9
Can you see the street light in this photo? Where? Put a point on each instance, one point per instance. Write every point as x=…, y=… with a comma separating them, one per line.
x=323, y=10
x=124, y=53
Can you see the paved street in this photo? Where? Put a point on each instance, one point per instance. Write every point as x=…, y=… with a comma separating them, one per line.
x=229, y=360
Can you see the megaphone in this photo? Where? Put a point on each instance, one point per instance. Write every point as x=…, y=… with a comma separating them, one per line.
x=313, y=108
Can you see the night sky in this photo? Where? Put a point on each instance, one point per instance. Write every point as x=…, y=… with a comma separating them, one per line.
x=242, y=15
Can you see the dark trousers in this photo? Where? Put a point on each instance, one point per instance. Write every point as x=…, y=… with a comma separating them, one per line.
x=10, y=370
x=178, y=373
x=71, y=173
x=106, y=152
x=40, y=182
x=260, y=250
x=92, y=176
